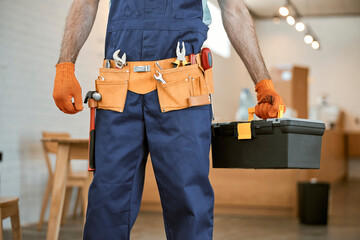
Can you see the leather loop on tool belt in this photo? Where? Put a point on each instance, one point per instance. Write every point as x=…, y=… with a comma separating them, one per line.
x=199, y=100
x=92, y=103
x=185, y=86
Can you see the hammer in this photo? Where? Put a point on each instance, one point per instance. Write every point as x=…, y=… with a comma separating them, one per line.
x=91, y=98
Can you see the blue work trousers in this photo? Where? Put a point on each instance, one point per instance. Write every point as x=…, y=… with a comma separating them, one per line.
x=179, y=144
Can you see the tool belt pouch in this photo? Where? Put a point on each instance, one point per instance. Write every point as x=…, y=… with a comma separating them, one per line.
x=186, y=86
x=112, y=84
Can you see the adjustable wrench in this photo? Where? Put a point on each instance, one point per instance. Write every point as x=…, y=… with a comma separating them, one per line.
x=120, y=62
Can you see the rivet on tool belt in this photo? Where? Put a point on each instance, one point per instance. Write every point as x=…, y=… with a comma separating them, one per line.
x=145, y=68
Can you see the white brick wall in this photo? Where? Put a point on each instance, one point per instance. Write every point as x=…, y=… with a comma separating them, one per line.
x=30, y=38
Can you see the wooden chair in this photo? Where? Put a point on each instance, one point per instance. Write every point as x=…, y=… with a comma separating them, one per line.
x=74, y=179
x=9, y=208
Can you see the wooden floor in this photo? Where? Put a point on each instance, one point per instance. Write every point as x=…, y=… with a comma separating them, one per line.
x=344, y=223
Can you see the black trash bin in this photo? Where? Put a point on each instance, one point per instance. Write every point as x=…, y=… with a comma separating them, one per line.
x=313, y=199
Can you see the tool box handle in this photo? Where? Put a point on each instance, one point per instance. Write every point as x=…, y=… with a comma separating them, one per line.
x=251, y=112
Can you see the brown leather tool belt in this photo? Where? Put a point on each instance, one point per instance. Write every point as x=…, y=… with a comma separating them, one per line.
x=183, y=87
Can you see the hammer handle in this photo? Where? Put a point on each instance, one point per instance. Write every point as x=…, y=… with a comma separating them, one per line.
x=92, y=104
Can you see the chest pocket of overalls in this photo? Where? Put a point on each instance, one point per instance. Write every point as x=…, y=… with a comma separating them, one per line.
x=132, y=8
x=187, y=9
x=155, y=8
x=145, y=8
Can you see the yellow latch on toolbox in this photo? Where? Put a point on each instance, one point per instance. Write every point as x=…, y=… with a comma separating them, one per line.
x=244, y=130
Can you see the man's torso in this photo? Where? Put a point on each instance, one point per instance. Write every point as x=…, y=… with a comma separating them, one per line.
x=150, y=29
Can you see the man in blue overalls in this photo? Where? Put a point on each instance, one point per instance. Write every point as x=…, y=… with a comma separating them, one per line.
x=179, y=140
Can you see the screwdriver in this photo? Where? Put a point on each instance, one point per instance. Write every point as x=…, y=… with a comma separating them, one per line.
x=206, y=58
x=192, y=59
x=207, y=62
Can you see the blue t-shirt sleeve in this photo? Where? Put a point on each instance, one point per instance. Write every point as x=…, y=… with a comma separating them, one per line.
x=206, y=13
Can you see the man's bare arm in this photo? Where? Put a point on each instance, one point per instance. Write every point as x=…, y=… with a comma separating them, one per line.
x=78, y=26
x=239, y=27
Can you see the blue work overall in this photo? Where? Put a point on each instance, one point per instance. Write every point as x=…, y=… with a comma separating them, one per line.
x=178, y=141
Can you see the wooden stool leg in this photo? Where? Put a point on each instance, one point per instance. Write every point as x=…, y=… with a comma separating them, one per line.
x=84, y=197
x=58, y=191
x=1, y=228
x=44, y=204
x=15, y=225
x=81, y=205
x=84, y=205
x=85, y=192
x=68, y=194
x=78, y=199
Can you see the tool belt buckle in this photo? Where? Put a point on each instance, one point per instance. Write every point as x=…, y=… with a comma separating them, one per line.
x=144, y=68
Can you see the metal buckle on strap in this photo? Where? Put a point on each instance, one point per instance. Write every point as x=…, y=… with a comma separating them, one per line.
x=145, y=68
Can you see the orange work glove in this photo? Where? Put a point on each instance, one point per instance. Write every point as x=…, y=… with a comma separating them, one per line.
x=67, y=87
x=268, y=100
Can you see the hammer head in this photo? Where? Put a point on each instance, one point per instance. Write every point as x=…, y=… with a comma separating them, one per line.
x=92, y=95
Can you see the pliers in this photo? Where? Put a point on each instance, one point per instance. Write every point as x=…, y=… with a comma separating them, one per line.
x=180, y=56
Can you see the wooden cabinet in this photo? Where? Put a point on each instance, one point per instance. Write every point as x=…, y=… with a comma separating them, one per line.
x=353, y=144
x=292, y=84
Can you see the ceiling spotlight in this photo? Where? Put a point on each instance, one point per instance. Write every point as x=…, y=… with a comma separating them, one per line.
x=315, y=44
x=308, y=39
x=284, y=11
x=290, y=20
x=300, y=26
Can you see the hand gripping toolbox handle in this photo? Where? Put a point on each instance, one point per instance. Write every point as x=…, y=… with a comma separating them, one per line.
x=244, y=129
x=251, y=112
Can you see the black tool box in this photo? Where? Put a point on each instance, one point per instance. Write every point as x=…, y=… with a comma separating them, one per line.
x=267, y=144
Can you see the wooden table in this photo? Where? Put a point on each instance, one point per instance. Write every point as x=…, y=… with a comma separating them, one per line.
x=67, y=149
